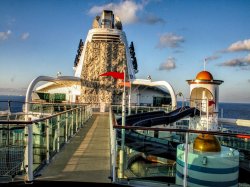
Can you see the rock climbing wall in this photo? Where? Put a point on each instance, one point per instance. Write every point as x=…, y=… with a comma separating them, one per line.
x=102, y=57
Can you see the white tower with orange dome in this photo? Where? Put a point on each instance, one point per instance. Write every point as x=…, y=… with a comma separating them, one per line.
x=206, y=162
x=204, y=95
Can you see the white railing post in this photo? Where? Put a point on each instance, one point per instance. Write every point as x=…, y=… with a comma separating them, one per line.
x=66, y=127
x=185, y=161
x=72, y=124
x=1, y=137
x=111, y=141
x=85, y=114
x=80, y=117
x=47, y=141
x=207, y=113
x=114, y=155
x=77, y=121
x=112, y=146
x=58, y=133
x=29, y=154
x=122, y=150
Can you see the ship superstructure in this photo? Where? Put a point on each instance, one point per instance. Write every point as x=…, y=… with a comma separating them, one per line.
x=105, y=50
x=206, y=157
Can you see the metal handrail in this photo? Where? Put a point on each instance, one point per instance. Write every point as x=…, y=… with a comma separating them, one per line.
x=186, y=132
x=78, y=114
x=16, y=122
x=237, y=135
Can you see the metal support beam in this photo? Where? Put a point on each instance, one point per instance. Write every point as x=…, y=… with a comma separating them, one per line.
x=47, y=141
x=58, y=133
x=163, y=84
x=29, y=154
x=66, y=127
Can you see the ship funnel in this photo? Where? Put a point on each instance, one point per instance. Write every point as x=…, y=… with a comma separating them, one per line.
x=107, y=19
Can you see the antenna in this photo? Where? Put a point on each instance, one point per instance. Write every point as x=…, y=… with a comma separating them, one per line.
x=205, y=61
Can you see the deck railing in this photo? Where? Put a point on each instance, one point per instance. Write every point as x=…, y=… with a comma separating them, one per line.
x=140, y=109
x=163, y=154
x=26, y=146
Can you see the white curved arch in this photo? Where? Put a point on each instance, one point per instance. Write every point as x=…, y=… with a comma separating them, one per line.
x=158, y=83
x=44, y=78
x=29, y=149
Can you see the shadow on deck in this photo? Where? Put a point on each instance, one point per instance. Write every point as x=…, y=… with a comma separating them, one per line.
x=83, y=161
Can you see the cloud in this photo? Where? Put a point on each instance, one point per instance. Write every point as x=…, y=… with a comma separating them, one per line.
x=248, y=80
x=178, y=51
x=211, y=58
x=125, y=10
x=240, y=46
x=170, y=40
x=25, y=36
x=151, y=19
x=10, y=21
x=243, y=63
x=5, y=35
x=129, y=12
x=168, y=65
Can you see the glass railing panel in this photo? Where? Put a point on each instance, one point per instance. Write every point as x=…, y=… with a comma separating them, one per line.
x=50, y=132
x=146, y=155
x=69, y=124
x=53, y=135
x=62, y=131
x=39, y=144
x=12, y=147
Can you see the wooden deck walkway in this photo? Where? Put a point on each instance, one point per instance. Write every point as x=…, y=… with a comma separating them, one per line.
x=86, y=158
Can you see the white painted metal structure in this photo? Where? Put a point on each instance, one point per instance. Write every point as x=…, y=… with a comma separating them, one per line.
x=44, y=78
x=162, y=84
x=29, y=129
x=204, y=95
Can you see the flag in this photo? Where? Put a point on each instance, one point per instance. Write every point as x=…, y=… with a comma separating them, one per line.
x=211, y=102
x=127, y=84
x=115, y=75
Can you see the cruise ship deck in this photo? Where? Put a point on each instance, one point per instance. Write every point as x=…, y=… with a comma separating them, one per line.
x=83, y=160
x=78, y=146
x=64, y=133
x=86, y=158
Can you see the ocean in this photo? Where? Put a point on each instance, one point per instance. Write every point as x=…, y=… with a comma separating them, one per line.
x=227, y=110
x=15, y=103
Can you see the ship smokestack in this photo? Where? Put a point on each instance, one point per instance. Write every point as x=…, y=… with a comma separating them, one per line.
x=107, y=19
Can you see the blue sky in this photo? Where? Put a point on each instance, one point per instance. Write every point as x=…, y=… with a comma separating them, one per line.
x=171, y=38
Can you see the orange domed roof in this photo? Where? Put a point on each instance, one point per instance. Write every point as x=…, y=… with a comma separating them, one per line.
x=204, y=75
